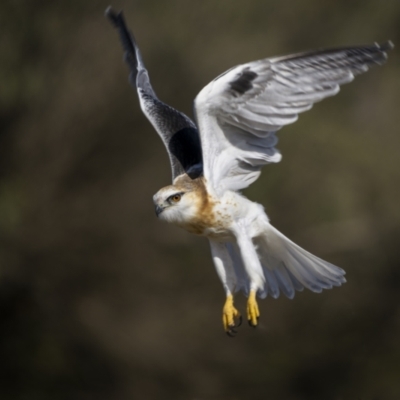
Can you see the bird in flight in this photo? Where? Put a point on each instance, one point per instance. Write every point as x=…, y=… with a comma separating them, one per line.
x=237, y=116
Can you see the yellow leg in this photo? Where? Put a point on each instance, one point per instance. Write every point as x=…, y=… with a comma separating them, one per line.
x=231, y=317
x=252, y=309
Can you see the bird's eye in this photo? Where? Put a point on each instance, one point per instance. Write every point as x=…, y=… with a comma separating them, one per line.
x=175, y=198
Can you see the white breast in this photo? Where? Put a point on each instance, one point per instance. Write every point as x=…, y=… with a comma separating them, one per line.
x=232, y=209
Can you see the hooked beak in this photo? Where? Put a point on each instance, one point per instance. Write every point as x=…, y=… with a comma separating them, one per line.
x=159, y=210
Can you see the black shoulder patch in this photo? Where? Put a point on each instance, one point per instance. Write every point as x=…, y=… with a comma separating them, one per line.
x=185, y=145
x=242, y=84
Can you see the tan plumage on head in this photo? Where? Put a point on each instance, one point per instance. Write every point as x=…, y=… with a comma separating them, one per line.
x=238, y=115
x=193, y=209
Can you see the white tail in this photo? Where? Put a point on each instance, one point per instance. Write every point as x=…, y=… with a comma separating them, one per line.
x=287, y=267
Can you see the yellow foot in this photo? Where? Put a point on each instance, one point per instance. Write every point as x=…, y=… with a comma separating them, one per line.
x=252, y=309
x=231, y=317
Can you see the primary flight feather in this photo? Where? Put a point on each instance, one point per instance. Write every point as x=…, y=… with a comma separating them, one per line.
x=238, y=115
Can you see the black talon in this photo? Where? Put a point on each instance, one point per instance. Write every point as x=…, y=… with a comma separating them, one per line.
x=251, y=324
x=231, y=333
x=240, y=320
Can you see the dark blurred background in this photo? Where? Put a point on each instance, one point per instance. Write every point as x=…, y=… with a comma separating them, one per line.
x=99, y=299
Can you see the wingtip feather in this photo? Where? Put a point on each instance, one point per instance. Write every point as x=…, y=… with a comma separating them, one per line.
x=386, y=46
x=112, y=15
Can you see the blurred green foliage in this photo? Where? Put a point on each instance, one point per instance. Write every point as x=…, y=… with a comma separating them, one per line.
x=98, y=299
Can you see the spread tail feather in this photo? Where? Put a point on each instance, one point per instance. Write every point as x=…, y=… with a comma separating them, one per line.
x=287, y=267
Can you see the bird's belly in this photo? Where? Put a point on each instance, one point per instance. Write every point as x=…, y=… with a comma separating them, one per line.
x=220, y=219
x=219, y=234
x=216, y=223
x=215, y=228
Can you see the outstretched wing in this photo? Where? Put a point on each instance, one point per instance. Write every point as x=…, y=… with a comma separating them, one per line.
x=177, y=131
x=239, y=112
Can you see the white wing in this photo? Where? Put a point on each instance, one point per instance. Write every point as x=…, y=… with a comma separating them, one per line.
x=239, y=112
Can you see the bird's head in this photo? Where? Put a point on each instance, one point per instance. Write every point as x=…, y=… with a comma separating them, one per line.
x=175, y=204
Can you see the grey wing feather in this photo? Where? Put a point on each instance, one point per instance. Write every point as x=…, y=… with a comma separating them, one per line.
x=177, y=131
